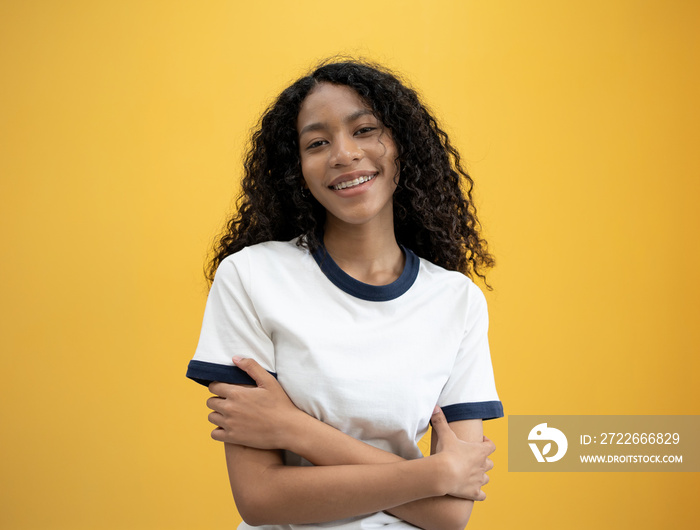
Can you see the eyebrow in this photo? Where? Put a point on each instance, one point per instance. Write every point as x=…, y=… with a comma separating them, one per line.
x=317, y=126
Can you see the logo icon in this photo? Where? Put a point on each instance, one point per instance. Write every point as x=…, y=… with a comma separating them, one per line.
x=549, y=434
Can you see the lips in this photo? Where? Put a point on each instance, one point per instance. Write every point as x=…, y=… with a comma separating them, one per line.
x=353, y=183
x=349, y=180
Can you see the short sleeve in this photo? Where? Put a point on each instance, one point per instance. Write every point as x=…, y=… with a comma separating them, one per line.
x=470, y=392
x=230, y=327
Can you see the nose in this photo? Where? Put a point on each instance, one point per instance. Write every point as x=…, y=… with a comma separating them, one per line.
x=345, y=151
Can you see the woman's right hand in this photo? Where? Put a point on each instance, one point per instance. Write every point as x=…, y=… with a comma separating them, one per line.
x=465, y=463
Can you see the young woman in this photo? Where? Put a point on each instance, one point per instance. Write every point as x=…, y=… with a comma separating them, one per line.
x=342, y=318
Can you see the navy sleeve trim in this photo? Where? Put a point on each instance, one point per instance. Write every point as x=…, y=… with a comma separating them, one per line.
x=482, y=410
x=205, y=373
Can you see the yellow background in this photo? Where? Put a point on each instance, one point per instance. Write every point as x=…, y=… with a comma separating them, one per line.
x=122, y=125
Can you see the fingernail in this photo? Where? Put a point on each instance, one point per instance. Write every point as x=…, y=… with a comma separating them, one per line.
x=436, y=409
x=237, y=359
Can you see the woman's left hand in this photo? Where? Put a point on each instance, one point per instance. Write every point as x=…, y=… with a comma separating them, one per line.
x=260, y=417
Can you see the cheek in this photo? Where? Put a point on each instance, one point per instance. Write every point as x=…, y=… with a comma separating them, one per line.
x=389, y=153
x=305, y=170
x=311, y=176
x=393, y=167
x=310, y=166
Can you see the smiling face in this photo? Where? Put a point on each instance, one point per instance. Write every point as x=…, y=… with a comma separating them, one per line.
x=348, y=157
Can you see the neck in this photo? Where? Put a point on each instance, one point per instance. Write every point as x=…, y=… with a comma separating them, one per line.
x=368, y=253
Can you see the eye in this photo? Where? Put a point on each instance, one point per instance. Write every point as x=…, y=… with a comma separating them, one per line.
x=365, y=130
x=317, y=143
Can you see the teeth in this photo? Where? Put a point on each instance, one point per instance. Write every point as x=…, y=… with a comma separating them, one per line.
x=351, y=183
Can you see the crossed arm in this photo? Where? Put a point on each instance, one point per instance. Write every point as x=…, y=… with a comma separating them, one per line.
x=350, y=477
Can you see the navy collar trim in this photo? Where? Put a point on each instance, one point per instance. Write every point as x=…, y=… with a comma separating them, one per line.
x=365, y=291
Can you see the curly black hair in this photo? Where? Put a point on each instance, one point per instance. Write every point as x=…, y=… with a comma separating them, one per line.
x=434, y=213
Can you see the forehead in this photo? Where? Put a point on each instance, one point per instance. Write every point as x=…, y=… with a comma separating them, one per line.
x=327, y=103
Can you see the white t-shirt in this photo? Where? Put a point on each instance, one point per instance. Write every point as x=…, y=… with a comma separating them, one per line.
x=372, y=361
